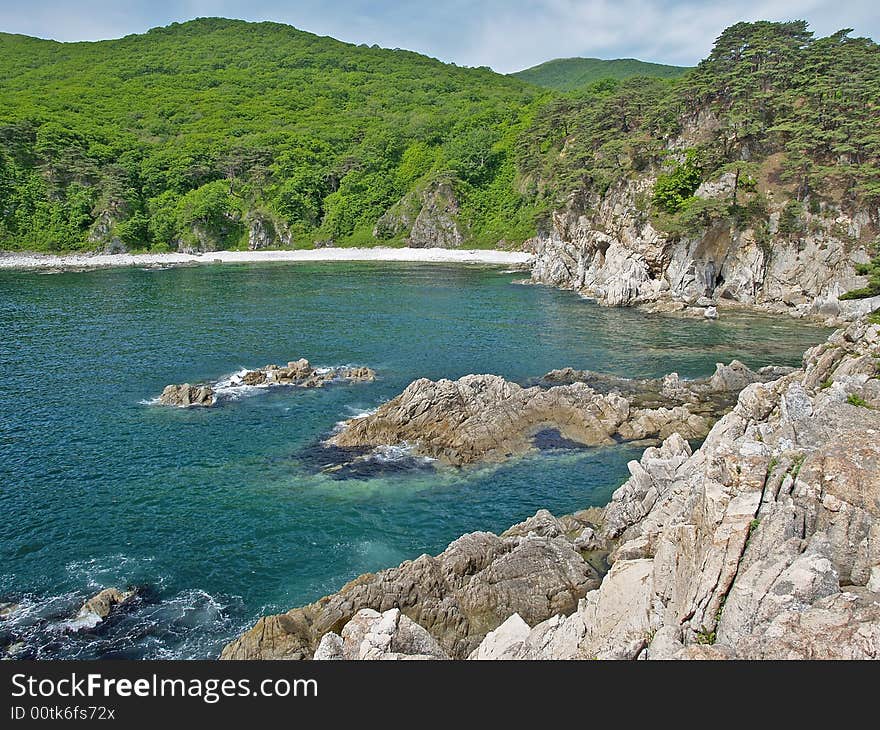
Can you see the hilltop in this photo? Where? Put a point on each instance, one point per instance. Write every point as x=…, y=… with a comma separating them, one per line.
x=570, y=74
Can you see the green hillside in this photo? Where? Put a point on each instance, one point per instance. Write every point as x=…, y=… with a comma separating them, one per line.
x=177, y=135
x=570, y=74
x=206, y=134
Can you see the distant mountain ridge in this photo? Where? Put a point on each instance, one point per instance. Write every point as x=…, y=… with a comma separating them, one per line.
x=569, y=74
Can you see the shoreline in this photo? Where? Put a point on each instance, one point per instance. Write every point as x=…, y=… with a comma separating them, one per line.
x=80, y=261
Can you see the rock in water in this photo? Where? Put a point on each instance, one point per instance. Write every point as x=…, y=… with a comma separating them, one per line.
x=99, y=607
x=763, y=543
x=299, y=373
x=187, y=396
x=487, y=418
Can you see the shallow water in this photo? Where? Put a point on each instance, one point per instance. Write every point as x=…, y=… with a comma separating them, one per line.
x=218, y=515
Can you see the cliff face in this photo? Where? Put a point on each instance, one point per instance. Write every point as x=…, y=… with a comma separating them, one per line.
x=606, y=247
x=763, y=543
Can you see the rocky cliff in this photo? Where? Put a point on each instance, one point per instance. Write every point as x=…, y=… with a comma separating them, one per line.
x=790, y=258
x=762, y=543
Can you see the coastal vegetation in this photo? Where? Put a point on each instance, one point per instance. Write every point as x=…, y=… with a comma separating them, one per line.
x=197, y=135
x=772, y=104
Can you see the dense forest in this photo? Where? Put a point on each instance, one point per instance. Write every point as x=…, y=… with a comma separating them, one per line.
x=571, y=74
x=191, y=127
x=181, y=136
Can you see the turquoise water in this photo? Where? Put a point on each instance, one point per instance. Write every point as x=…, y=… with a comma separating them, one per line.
x=216, y=514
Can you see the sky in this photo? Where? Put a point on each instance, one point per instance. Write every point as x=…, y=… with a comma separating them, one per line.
x=507, y=35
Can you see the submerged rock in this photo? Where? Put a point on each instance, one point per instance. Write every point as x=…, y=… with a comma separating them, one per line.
x=487, y=418
x=299, y=373
x=8, y=609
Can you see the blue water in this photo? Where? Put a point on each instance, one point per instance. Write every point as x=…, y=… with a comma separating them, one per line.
x=216, y=514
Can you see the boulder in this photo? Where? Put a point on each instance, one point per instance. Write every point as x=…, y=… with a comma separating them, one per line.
x=504, y=641
x=98, y=607
x=188, y=396
x=389, y=635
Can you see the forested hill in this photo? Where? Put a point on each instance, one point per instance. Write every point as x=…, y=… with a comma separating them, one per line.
x=570, y=74
x=218, y=133
x=177, y=135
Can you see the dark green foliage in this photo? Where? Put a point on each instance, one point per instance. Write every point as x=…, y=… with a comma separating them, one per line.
x=857, y=400
x=675, y=188
x=570, y=74
x=790, y=219
x=872, y=271
x=181, y=135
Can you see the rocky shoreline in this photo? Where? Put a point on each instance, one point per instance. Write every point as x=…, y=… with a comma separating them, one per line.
x=607, y=248
x=762, y=543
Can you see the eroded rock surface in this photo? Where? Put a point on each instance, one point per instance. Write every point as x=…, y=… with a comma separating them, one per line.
x=761, y=544
x=485, y=417
x=188, y=396
x=606, y=247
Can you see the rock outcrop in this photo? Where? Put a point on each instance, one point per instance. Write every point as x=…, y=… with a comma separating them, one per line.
x=299, y=373
x=487, y=418
x=427, y=218
x=188, y=396
x=373, y=635
x=264, y=231
x=103, y=602
x=763, y=543
x=607, y=248
x=98, y=607
x=473, y=586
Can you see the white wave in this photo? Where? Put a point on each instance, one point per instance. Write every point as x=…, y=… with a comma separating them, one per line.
x=358, y=413
x=392, y=453
x=114, y=570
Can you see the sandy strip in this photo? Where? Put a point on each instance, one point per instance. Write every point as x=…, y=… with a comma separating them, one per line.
x=12, y=260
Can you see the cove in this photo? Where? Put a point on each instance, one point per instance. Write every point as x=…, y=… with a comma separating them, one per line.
x=219, y=515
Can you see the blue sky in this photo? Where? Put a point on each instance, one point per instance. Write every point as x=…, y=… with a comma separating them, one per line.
x=505, y=34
